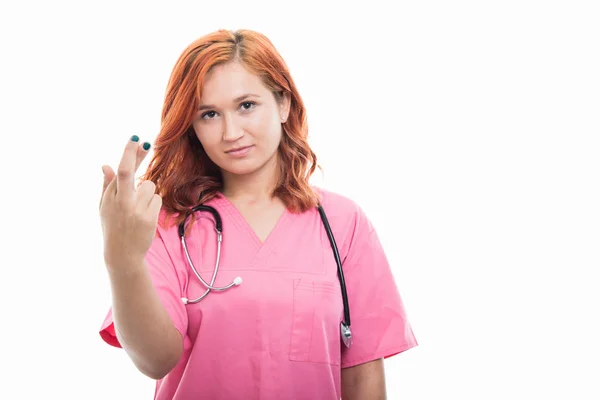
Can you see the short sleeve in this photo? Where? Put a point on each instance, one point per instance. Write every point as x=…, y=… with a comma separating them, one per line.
x=167, y=284
x=380, y=327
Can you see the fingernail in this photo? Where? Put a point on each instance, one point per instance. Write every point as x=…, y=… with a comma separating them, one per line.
x=146, y=145
x=135, y=138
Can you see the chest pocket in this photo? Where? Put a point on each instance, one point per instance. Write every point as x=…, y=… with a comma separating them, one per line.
x=316, y=317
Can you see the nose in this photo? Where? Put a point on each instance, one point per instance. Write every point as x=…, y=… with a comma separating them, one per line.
x=232, y=130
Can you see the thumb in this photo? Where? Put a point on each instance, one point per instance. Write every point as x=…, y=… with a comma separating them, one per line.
x=109, y=176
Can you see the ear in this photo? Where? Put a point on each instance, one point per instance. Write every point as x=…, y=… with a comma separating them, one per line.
x=284, y=107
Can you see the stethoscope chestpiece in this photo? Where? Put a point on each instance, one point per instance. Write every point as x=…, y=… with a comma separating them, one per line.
x=346, y=334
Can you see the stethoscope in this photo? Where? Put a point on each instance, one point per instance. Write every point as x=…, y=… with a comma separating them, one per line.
x=345, y=324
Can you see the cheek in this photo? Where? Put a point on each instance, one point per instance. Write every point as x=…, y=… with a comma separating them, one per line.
x=207, y=139
x=204, y=130
x=265, y=126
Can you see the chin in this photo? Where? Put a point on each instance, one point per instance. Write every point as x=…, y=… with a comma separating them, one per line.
x=247, y=165
x=242, y=168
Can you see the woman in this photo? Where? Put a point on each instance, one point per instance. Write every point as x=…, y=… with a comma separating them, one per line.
x=234, y=137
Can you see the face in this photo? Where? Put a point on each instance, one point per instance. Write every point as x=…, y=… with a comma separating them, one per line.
x=239, y=120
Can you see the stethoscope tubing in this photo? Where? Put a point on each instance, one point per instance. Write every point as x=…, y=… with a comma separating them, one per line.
x=345, y=325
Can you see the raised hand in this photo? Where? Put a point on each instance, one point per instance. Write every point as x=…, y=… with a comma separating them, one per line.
x=129, y=216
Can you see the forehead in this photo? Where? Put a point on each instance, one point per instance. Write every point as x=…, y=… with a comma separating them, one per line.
x=227, y=81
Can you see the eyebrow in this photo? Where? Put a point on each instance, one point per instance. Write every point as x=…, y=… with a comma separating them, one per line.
x=236, y=100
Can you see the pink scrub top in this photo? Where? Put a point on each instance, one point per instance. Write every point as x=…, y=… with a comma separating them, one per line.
x=277, y=335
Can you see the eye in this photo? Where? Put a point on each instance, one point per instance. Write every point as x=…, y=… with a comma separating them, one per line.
x=247, y=105
x=208, y=115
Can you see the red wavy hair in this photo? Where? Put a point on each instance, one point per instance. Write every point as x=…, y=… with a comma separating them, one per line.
x=183, y=173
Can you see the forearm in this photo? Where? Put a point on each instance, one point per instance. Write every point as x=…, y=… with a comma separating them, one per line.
x=364, y=382
x=364, y=390
x=142, y=325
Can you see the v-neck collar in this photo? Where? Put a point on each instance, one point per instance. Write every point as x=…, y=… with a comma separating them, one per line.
x=263, y=249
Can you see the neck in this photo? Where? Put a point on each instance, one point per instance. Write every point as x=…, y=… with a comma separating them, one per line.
x=257, y=186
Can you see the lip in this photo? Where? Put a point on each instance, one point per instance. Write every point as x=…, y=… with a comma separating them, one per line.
x=239, y=151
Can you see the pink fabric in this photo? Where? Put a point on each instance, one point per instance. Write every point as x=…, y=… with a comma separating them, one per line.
x=277, y=335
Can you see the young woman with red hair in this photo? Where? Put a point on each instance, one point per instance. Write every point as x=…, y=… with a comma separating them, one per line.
x=294, y=261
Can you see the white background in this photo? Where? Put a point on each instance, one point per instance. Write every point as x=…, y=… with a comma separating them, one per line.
x=467, y=130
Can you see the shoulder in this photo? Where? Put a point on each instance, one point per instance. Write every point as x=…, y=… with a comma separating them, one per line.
x=347, y=218
x=337, y=203
x=340, y=205
x=167, y=229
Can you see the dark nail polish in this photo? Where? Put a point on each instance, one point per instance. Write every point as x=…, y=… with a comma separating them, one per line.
x=146, y=146
x=135, y=138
